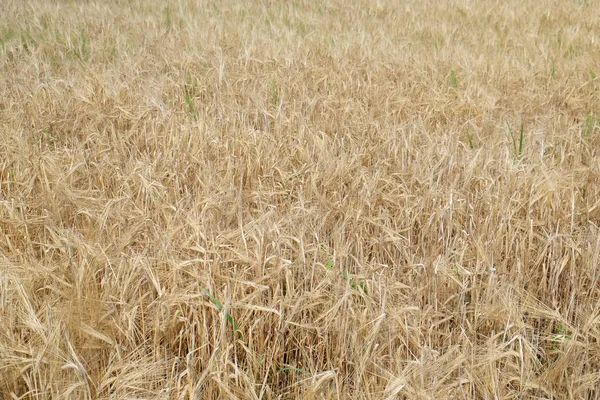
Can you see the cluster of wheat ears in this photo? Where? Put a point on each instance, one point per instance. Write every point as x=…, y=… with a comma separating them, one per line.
x=299, y=199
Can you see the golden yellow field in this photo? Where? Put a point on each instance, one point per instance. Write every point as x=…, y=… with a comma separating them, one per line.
x=300, y=199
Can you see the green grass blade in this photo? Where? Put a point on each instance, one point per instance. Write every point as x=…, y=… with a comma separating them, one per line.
x=521, y=140
x=227, y=315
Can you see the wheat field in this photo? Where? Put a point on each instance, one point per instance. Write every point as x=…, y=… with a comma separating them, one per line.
x=299, y=199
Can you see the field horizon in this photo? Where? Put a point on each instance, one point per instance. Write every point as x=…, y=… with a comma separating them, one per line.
x=299, y=200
